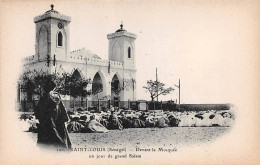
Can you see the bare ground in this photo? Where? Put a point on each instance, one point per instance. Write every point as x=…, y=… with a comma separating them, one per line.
x=145, y=137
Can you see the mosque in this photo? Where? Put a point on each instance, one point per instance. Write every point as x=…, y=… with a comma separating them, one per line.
x=52, y=54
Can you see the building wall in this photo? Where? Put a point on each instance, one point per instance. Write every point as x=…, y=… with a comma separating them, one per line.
x=87, y=63
x=88, y=71
x=60, y=52
x=118, y=50
x=46, y=35
x=42, y=40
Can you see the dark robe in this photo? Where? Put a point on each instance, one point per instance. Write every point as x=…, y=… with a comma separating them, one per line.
x=114, y=122
x=143, y=117
x=104, y=122
x=137, y=123
x=126, y=123
x=174, y=122
x=52, y=130
x=75, y=127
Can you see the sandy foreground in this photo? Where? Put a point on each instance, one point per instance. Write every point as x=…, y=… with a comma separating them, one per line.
x=145, y=137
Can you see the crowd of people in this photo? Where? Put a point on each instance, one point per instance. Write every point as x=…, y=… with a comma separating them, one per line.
x=53, y=122
x=102, y=122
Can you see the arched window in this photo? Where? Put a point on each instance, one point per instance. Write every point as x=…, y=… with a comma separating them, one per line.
x=129, y=52
x=76, y=75
x=97, y=84
x=59, y=39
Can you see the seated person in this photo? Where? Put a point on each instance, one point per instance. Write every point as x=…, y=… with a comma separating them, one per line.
x=114, y=122
x=95, y=127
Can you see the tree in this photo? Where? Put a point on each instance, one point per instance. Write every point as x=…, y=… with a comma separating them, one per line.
x=115, y=87
x=74, y=87
x=152, y=87
x=97, y=88
x=34, y=82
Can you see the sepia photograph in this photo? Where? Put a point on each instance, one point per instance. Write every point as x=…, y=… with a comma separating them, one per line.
x=130, y=82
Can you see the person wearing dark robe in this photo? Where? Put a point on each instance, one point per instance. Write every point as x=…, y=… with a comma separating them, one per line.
x=114, y=122
x=104, y=121
x=126, y=123
x=75, y=127
x=137, y=123
x=143, y=116
x=52, y=115
x=174, y=122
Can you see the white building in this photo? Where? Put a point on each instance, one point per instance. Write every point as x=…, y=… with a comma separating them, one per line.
x=52, y=42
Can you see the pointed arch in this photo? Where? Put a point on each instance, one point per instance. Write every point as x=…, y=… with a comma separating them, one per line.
x=76, y=74
x=77, y=70
x=129, y=52
x=115, y=84
x=99, y=87
x=60, y=39
x=129, y=49
x=42, y=41
x=116, y=87
x=118, y=76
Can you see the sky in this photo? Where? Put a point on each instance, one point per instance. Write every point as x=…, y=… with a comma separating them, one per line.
x=206, y=44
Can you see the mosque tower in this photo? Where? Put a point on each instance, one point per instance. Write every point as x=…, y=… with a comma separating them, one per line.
x=122, y=47
x=52, y=35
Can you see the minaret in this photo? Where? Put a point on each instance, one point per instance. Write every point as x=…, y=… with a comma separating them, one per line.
x=122, y=47
x=52, y=35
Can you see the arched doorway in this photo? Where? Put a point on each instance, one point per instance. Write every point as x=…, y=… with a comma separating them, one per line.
x=97, y=86
x=115, y=91
x=76, y=74
x=76, y=91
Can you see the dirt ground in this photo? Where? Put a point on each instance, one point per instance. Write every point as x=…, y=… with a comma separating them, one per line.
x=145, y=137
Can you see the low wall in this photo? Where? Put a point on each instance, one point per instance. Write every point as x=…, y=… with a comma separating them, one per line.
x=26, y=106
x=202, y=107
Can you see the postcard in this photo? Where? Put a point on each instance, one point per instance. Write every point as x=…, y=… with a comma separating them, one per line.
x=130, y=82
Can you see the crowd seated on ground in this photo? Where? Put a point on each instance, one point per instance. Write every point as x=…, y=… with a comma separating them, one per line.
x=117, y=119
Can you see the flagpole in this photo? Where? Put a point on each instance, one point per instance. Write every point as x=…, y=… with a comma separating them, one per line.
x=179, y=91
x=179, y=87
x=156, y=85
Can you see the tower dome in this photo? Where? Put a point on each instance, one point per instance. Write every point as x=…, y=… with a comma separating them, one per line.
x=121, y=28
x=52, y=10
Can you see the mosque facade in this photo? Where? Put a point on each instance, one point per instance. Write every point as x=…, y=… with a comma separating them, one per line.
x=52, y=54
